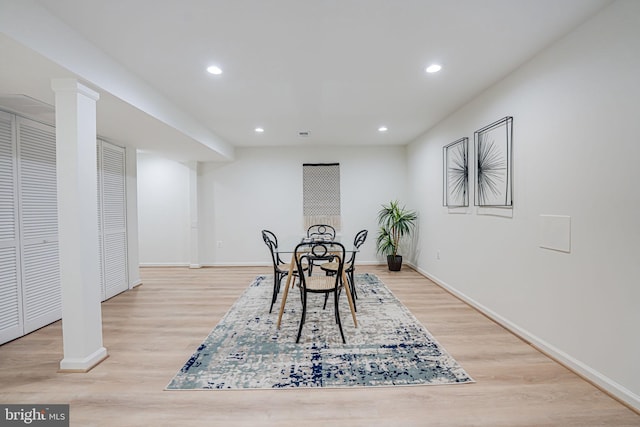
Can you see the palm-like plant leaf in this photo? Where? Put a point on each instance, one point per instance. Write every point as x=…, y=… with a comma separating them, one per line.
x=395, y=222
x=384, y=242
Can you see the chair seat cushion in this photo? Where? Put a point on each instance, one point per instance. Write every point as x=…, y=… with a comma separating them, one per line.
x=333, y=266
x=284, y=268
x=320, y=283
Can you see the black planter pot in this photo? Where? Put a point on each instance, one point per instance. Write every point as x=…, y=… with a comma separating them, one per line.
x=394, y=262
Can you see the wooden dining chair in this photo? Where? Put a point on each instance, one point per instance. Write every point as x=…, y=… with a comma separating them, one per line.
x=320, y=284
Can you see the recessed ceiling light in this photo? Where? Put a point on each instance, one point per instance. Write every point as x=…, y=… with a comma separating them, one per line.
x=259, y=130
x=434, y=68
x=382, y=129
x=213, y=69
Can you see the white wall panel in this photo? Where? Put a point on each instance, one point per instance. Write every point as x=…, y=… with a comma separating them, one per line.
x=163, y=211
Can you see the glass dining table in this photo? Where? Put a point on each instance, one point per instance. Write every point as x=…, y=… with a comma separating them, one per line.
x=288, y=248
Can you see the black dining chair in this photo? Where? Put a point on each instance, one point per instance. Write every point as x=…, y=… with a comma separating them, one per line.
x=349, y=265
x=320, y=284
x=320, y=232
x=280, y=268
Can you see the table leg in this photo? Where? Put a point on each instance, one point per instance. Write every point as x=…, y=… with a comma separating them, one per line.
x=286, y=289
x=347, y=289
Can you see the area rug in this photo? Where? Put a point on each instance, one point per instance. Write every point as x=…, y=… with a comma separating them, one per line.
x=388, y=348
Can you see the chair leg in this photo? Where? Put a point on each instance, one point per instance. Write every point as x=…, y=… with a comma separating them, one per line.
x=301, y=296
x=352, y=288
x=276, y=288
x=355, y=308
x=326, y=297
x=302, y=318
x=335, y=294
x=353, y=284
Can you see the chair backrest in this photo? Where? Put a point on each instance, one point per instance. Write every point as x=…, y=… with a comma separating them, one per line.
x=361, y=236
x=271, y=241
x=307, y=252
x=321, y=231
x=269, y=238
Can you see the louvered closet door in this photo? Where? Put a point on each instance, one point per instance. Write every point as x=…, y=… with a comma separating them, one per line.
x=10, y=296
x=113, y=216
x=37, y=191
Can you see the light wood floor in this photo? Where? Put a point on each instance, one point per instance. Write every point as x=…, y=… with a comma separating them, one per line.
x=150, y=331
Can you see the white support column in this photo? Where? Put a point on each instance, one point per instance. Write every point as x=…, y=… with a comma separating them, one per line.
x=78, y=225
x=133, y=258
x=194, y=243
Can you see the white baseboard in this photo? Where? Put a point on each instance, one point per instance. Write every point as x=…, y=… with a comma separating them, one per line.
x=162, y=264
x=212, y=264
x=233, y=264
x=371, y=262
x=601, y=381
x=268, y=264
x=239, y=264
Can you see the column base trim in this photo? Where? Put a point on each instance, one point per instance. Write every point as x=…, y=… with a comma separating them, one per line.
x=69, y=364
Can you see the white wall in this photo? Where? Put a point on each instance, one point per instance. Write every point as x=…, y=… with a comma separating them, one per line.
x=261, y=189
x=163, y=211
x=576, y=150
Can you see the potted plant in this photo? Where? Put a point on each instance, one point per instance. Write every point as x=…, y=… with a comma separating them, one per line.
x=395, y=222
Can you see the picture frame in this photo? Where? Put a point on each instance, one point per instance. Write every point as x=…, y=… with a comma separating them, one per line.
x=494, y=164
x=455, y=178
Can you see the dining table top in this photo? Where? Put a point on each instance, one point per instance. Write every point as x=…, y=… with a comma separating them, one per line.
x=288, y=245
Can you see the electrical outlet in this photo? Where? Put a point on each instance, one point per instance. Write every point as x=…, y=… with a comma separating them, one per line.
x=219, y=243
x=438, y=255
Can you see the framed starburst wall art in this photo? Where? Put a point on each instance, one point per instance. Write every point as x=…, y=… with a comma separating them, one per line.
x=455, y=192
x=493, y=163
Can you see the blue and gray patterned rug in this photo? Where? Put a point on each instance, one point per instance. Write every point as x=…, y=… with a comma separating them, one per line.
x=388, y=348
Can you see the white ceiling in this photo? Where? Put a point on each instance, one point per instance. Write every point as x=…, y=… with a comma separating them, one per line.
x=336, y=68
